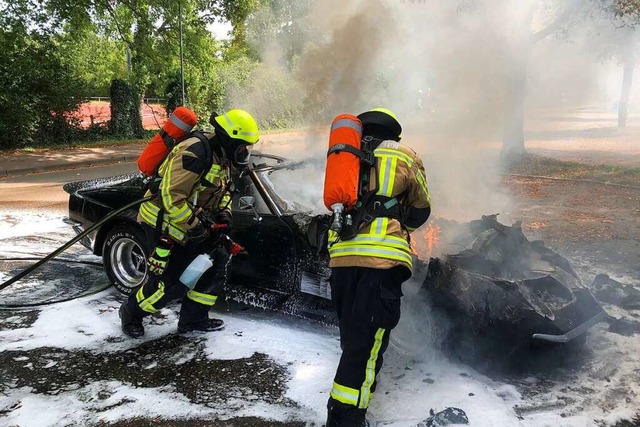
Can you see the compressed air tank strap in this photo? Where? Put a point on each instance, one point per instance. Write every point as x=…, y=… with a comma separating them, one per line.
x=168, y=141
x=362, y=155
x=382, y=206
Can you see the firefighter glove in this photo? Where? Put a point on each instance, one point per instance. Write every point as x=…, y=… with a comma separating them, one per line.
x=224, y=217
x=158, y=260
x=199, y=234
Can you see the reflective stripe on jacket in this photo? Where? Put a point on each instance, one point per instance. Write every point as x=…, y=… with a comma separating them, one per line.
x=189, y=180
x=385, y=243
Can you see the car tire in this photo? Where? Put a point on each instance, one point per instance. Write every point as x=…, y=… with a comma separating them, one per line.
x=124, y=255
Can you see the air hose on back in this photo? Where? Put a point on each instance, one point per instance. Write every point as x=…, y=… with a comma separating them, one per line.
x=64, y=247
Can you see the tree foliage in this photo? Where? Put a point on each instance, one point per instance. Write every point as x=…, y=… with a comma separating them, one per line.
x=39, y=89
x=130, y=49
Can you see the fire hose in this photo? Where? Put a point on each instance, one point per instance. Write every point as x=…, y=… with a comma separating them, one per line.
x=71, y=242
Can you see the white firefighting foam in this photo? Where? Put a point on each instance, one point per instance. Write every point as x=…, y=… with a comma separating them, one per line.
x=408, y=388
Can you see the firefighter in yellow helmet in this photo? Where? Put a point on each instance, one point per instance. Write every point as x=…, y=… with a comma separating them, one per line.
x=369, y=266
x=188, y=216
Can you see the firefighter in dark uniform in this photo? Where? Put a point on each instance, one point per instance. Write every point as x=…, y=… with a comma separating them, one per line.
x=194, y=184
x=367, y=271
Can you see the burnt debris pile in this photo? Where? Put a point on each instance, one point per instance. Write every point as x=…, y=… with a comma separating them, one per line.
x=505, y=293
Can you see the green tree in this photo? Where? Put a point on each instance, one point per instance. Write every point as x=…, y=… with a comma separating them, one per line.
x=39, y=88
x=95, y=58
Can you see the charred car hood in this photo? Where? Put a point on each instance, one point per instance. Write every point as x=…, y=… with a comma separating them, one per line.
x=505, y=281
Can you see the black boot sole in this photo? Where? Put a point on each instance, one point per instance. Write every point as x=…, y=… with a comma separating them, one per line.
x=129, y=333
x=187, y=329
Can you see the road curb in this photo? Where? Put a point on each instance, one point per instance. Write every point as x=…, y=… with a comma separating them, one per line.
x=66, y=166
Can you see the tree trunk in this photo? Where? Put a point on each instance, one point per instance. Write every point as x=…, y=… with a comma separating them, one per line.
x=126, y=120
x=629, y=62
x=513, y=138
x=516, y=89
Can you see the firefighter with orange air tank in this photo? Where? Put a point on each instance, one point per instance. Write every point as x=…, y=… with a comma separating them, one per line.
x=377, y=190
x=188, y=216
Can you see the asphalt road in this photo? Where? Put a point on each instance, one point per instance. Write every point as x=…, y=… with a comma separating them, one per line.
x=44, y=191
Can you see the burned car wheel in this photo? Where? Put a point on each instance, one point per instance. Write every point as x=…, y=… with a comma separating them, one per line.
x=124, y=254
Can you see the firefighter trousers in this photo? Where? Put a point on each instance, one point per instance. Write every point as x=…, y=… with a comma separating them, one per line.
x=158, y=290
x=367, y=301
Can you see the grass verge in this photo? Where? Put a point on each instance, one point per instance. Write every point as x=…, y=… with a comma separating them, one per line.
x=546, y=166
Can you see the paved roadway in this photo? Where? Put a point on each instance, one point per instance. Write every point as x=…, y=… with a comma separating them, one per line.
x=44, y=191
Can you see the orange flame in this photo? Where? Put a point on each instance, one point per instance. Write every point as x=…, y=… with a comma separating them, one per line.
x=432, y=237
x=414, y=248
x=424, y=248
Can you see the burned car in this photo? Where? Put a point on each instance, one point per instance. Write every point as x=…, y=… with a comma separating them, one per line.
x=283, y=270
x=506, y=289
x=502, y=285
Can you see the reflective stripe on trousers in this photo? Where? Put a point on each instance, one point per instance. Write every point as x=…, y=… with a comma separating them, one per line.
x=146, y=304
x=202, y=298
x=362, y=397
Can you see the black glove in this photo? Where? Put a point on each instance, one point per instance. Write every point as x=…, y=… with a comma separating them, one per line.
x=199, y=234
x=224, y=217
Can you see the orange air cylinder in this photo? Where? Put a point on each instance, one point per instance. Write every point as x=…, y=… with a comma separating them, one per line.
x=180, y=123
x=343, y=164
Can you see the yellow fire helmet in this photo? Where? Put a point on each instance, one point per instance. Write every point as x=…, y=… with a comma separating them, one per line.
x=239, y=124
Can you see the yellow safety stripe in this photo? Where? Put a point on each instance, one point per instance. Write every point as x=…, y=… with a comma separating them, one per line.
x=370, y=373
x=344, y=394
x=379, y=227
x=225, y=201
x=201, y=298
x=370, y=250
x=146, y=304
x=390, y=241
x=177, y=214
x=216, y=171
x=332, y=237
x=387, y=175
x=162, y=252
x=422, y=181
x=379, y=152
x=149, y=212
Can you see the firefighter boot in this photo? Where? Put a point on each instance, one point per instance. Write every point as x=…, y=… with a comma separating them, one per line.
x=194, y=317
x=130, y=323
x=206, y=325
x=343, y=415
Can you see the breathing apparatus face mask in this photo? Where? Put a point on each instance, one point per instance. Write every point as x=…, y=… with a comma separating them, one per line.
x=238, y=153
x=235, y=150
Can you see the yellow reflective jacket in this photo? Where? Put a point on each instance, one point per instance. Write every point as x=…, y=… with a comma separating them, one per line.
x=192, y=176
x=385, y=242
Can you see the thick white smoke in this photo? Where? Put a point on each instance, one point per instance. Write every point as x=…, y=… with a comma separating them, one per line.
x=441, y=66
